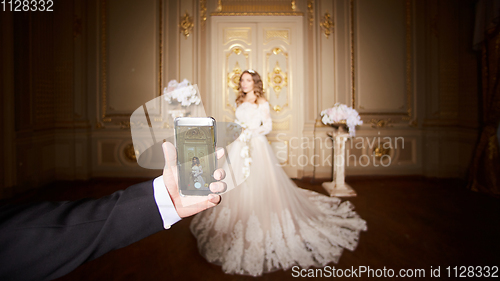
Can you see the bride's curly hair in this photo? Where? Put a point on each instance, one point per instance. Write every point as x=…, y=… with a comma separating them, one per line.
x=195, y=161
x=258, y=88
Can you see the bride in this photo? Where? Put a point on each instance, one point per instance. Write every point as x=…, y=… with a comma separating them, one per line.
x=196, y=172
x=268, y=223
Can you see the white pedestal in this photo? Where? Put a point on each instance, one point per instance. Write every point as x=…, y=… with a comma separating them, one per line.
x=338, y=187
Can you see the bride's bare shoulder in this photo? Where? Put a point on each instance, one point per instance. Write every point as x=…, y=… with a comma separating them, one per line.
x=261, y=100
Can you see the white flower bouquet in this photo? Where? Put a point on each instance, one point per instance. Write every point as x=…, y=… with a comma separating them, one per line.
x=246, y=134
x=183, y=93
x=245, y=137
x=342, y=114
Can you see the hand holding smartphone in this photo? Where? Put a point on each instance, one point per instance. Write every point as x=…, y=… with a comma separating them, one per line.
x=195, y=141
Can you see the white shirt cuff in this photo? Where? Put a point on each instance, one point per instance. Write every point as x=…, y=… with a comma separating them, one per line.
x=165, y=206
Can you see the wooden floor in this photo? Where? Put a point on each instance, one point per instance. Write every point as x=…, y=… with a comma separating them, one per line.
x=413, y=223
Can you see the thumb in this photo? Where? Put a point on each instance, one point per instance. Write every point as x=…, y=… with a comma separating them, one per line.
x=170, y=155
x=170, y=169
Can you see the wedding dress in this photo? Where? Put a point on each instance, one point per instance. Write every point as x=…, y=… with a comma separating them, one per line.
x=267, y=222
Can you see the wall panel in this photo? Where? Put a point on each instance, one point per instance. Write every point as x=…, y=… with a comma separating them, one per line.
x=130, y=56
x=380, y=52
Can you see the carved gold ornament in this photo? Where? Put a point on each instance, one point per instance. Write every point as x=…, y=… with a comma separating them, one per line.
x=277, y=79
x=203, y=12
x=380, y=151
x=125, y=125
x=277, y=34
x=294, y=5
x=380, y=123
x=326, y=24
x=277, y=51
x=234, y=34
x=99, y=125
x=186, y=25
x=233, y=77
x=310, y=12
x=130, y=153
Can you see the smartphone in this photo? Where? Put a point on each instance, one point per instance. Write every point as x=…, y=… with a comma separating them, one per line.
x=195, y=141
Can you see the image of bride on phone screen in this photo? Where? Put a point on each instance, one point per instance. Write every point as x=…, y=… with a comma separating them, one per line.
x=196, y=172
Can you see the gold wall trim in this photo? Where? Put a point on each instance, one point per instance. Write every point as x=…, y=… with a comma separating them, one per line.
x=257, y=14
x=256, y=7
x=219, y=6
x=160, y=77
x=400, y=114
x=104, y=85
x=310, y=12
x=203, y=12
x=105, y=116
x=409, y=59
x=353, y=84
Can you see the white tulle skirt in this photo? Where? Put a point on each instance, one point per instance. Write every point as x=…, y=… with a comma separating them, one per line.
x=268, y=223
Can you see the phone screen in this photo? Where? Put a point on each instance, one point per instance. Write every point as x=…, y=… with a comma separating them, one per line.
x=195, y=142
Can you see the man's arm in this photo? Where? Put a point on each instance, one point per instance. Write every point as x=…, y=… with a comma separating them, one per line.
x=48, y=240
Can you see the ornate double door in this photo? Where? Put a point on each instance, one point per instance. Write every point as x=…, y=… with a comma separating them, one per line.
x=272, y=46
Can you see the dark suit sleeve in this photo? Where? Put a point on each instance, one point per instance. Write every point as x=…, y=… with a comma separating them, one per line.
x=48, y=240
